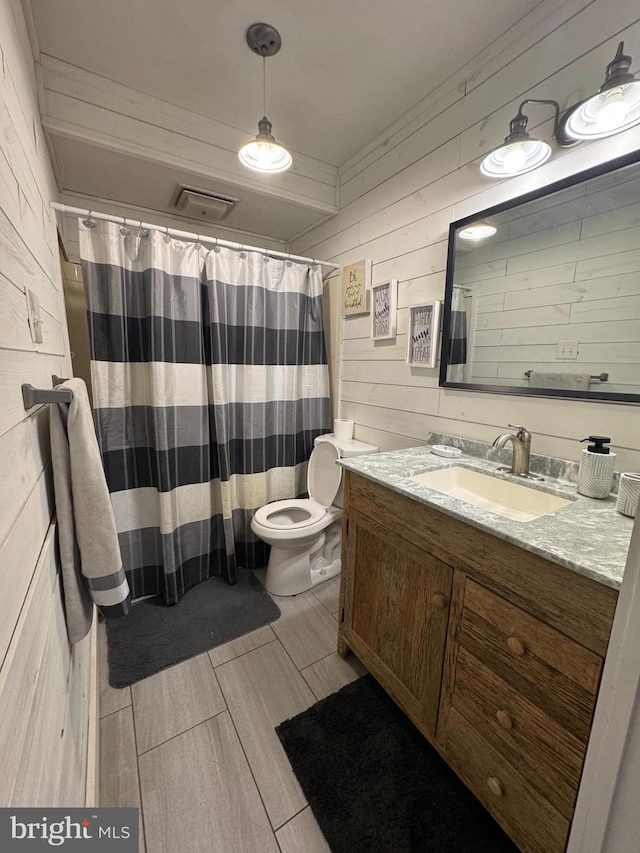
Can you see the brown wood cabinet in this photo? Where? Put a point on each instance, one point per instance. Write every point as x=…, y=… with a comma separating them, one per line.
x=493, y=652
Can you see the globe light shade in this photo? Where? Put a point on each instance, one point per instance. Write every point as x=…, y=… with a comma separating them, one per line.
x=264, y=154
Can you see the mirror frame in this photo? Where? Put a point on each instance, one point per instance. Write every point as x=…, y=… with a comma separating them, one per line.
x=548, y=189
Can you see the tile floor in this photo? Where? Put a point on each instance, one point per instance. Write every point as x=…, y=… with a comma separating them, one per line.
x=194, y=746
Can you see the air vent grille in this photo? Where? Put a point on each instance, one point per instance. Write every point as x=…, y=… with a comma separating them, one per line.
x=199, y=204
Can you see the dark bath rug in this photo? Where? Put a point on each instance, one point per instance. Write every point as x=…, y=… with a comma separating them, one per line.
x=375, y=784
x=153, y=636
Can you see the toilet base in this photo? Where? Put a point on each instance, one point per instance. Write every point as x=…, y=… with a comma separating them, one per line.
x=294, y=570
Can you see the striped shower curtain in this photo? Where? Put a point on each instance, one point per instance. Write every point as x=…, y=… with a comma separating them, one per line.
x=210, y=383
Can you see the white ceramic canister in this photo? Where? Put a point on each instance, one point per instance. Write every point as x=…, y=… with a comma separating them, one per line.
x=628, y=494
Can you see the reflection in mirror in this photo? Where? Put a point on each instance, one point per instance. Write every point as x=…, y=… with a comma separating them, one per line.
x=549, y=303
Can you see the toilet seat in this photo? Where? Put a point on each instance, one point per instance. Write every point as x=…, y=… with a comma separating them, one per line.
x=292, y=514
x=323, y=481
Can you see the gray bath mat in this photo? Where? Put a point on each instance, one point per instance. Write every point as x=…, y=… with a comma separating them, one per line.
x=153, y=636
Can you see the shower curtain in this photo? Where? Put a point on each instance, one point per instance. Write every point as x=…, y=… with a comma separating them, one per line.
x=458, y=336
x=210, y=383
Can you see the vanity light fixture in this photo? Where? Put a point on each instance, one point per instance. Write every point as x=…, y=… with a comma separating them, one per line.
x=264, y=154
x=615, y=107
x=477, y=231
x=520, y=152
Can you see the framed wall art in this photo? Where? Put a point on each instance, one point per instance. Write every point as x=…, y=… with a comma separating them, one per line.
x=356, y=278
x=384, y=301
x=423, y=334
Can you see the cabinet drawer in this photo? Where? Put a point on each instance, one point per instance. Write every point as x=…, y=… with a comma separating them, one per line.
x=547, y=755
x=552, y=671
x=529, y=818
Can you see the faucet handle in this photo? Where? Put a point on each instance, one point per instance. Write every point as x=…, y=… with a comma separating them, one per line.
x=523, y=432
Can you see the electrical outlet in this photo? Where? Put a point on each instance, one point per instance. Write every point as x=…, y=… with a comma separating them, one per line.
x=33, y=313
x=567, y=349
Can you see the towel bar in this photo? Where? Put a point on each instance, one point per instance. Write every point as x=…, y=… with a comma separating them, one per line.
x=600, y=377
x=33, y=396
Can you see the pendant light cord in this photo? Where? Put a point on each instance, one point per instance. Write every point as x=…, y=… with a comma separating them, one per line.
x=264, y=85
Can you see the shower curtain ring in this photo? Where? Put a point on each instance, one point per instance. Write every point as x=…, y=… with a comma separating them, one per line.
x=123, y=228
x=89, y=222
x=216, y=248
x=167, y=238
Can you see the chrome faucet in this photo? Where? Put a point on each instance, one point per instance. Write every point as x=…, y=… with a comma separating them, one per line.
x=521, y=442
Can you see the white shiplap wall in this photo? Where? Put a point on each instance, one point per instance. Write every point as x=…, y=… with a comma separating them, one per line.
x=44, y=684
x=398, y=196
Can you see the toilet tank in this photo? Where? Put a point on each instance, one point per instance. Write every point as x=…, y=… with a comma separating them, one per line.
x=347, y=448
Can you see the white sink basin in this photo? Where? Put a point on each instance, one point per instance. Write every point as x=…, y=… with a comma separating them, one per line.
x=510, y=500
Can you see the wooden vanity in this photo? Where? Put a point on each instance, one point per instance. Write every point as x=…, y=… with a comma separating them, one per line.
x=492, y=651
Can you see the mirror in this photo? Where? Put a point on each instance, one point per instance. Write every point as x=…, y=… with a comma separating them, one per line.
x=543, y=292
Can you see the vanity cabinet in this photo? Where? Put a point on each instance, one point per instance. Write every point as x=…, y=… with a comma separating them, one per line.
x=397, y=601
x=493, y=652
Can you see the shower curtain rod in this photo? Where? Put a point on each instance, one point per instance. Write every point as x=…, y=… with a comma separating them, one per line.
x=187, y=235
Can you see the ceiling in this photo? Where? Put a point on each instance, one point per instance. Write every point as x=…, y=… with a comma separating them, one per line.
x=345, y=72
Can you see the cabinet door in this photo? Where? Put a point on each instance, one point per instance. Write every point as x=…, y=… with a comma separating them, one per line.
x=396, y=612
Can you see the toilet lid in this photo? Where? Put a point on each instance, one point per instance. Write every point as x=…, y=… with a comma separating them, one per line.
x=323, y=475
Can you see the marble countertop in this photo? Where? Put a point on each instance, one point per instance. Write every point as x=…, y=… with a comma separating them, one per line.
x=589, y=536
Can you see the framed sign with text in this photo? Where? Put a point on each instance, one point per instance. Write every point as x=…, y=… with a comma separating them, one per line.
x=423, y=333
x=356, y=279
x=384, y=299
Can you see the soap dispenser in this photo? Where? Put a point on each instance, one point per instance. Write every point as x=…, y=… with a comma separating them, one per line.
x=595, y=478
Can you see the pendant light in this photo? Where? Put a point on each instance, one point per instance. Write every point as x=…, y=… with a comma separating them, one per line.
x=477, y=231
x=264, y=154
x=615, y=107
x=521, y=152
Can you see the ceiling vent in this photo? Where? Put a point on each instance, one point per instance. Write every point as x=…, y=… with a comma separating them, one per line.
x=199, y=204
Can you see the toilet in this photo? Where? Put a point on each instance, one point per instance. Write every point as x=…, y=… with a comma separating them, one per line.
x=306, y=534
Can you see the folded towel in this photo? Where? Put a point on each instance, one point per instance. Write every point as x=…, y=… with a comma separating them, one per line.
x=565, y=381
x=89, y=548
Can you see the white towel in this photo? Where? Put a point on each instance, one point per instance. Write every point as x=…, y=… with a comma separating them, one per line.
x=89, y=549
x=565, y=381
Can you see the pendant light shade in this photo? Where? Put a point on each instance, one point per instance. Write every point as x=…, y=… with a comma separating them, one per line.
x=615, y=107
x=477, y=231
x=264, y=154
x=520, y=153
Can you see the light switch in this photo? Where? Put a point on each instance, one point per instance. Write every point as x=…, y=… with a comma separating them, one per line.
x=33, y=313
x=567, y=349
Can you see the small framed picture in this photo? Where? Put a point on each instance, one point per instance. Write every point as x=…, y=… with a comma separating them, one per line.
x=423, y=334
x=356, y=280
x=384, y=301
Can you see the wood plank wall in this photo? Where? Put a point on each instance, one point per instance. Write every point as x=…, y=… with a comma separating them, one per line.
x=44, y=683
x=399, y=194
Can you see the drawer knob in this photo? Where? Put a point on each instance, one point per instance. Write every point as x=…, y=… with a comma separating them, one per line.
x=516, y=646
x=439, y=601
x=494, y=786
x=504, y=719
